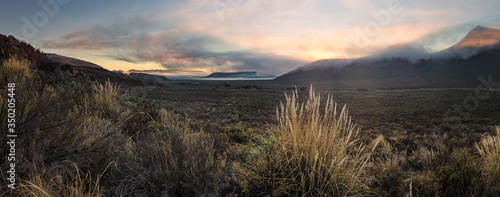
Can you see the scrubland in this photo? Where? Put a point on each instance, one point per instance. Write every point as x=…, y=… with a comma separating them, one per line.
x=102, y=138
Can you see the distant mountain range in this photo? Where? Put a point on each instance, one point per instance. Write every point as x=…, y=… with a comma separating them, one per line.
x=237, y=75
x=82, y=64
x=401, y=66
x=149, y=77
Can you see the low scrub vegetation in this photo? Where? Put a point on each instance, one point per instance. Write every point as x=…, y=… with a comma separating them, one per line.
x=178, y=161
x=72, y=132
x=83, y=138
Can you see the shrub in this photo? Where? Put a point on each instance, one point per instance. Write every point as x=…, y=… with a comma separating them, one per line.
x=425, y=185
x=238, y=134
x=55, y=123
x=178, y=161
x=311, y=152
x=458, y=176
x=388, y=176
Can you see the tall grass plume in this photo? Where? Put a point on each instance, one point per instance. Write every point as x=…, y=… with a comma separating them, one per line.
x=105, y=96
x=489, y=149
x=316, y=150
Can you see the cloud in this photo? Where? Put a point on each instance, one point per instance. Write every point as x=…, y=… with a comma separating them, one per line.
x=443, y=38
x=267, y=36
x=357, y=4
x=172, y=48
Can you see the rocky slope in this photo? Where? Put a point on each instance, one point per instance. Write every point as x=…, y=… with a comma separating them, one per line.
x=10, y=46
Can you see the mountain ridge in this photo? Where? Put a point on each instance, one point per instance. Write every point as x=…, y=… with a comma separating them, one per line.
x=71, y=61
x=243, y=74
x=150, y=77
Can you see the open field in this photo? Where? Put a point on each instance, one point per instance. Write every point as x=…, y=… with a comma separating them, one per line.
x=421, y=128
x=376, y=111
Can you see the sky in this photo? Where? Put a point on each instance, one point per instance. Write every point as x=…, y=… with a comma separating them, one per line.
x=271, y=37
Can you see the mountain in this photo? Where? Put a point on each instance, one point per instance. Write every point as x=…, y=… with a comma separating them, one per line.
x=71, y=61
x=397, y=69
x=478, y=39
x=149, y=77
x=236, y=75
x=10, y=46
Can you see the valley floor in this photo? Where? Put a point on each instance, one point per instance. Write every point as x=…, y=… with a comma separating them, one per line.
x=424, y=132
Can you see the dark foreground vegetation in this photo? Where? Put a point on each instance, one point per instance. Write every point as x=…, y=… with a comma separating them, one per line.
x=99, y=138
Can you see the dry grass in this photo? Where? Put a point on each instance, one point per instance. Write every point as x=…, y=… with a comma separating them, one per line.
x=489, y=149
x=57, y=123
x=48, y=183
x=105, y=96
x=15, y=67
x=427, y=156
x=317, y=149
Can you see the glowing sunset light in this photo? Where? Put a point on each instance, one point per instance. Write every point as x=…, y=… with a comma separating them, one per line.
x=271, y=37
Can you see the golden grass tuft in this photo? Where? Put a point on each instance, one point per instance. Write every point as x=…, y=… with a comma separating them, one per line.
x=318, y=147
x=489, y=149
x=14, y=67
x=105, y=96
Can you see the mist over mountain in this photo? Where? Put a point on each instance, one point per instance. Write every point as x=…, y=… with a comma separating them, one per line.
x=401, y=50
x=402, y=66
